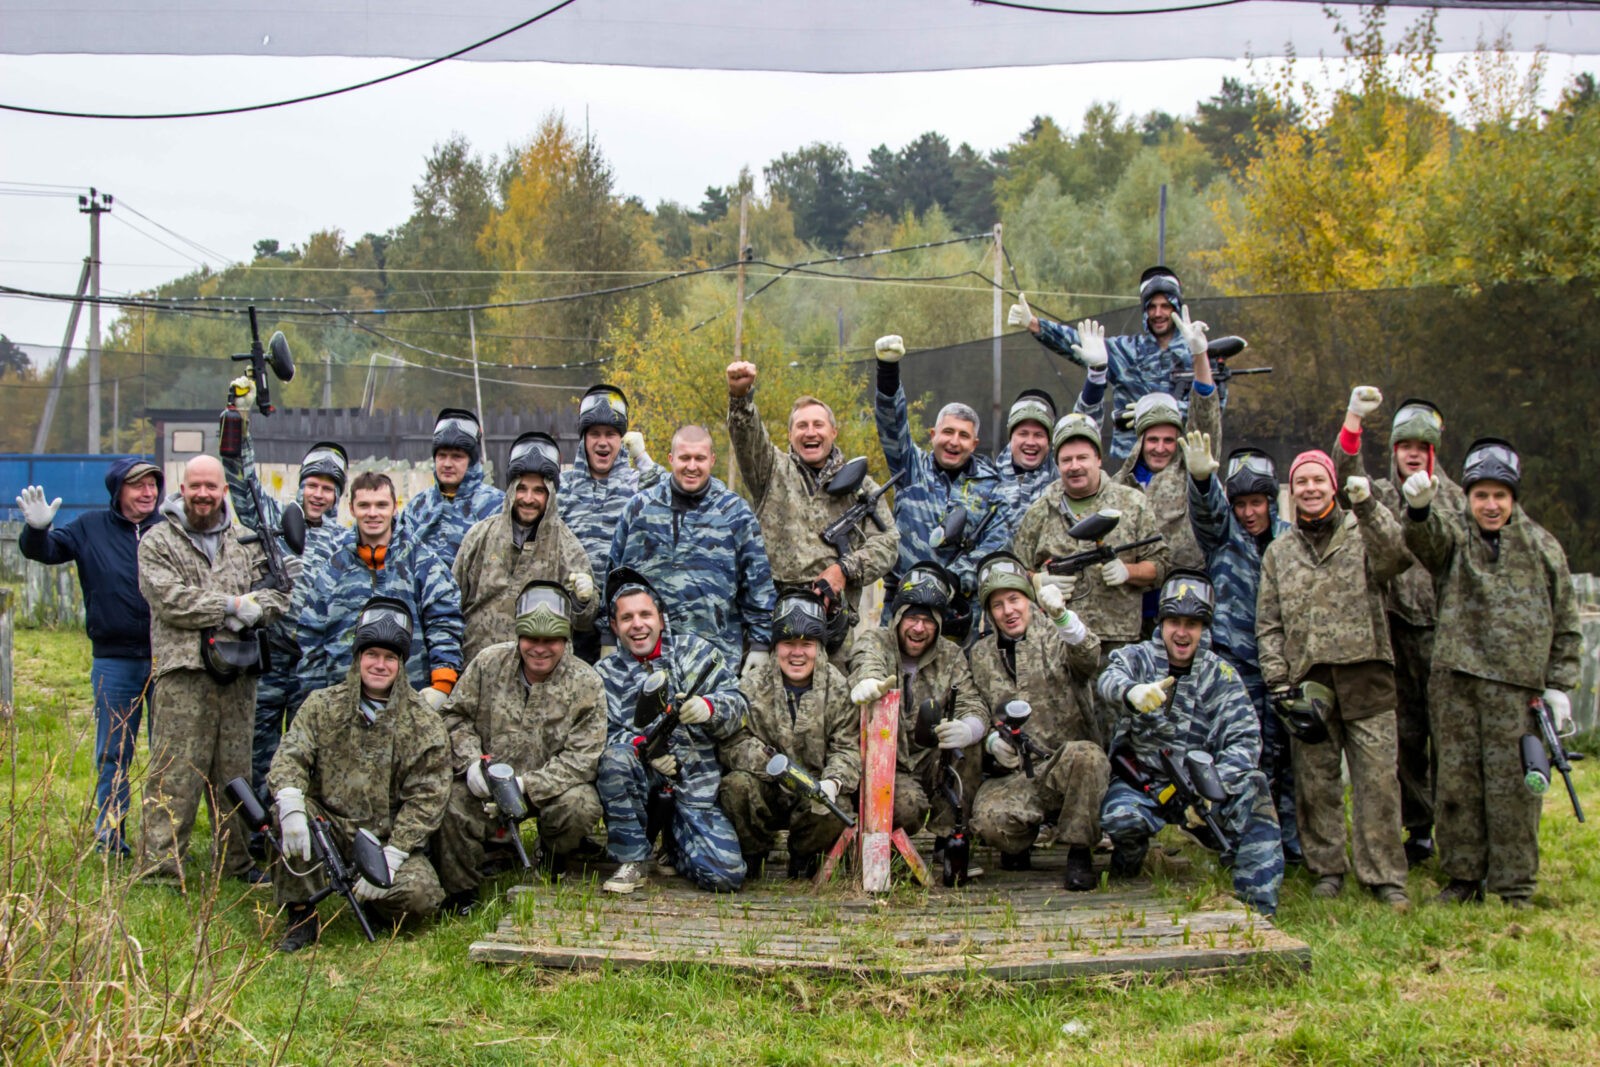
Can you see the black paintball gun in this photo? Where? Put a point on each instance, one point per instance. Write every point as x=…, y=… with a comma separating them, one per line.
x=511, y=807
x=1095, y=528
x=848, y=482
x=785, y=771
x=1197, y=788
x=655, y=716
x=958, y=846
x=958, y=536
x=1219, y=350
x=1538, y=758
x=367, y=851
x=1010, y=719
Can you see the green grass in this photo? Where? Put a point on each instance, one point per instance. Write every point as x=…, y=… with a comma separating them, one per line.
x=1442, y=985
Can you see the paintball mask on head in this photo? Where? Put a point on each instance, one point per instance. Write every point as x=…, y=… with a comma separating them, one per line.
x=1417, y=420
x=458, y=428
x=1187, y=594
x=1250, y=471
x=325, y=459
x=544, y=609
x=534, y=453
x=625, y=581
x=603, y=405
x=384, y=622
x=1489, y=459
x=1156, y=409
x=925, y=585
x=799, y=616
x=1002, y=570
x=1159, y=281
x=1032, y=405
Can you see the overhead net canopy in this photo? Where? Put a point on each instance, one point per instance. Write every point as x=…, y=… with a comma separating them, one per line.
x=824, y=36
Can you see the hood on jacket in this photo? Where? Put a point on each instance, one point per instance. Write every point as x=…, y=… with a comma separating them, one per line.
x=118, y=472
x=172, y=508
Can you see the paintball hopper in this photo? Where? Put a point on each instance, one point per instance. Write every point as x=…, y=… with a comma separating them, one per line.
x=371, y=863
x=293, y=527
x=848, y=478
x=654, y=698
x=928, y=717
x=955, y=525
x=1305, y=712
x=1203, y=772
x=1014, y=714
x=1096, y=527
x=249, y=804
x=275, y=355
x=504, y=791
x=1226, y=347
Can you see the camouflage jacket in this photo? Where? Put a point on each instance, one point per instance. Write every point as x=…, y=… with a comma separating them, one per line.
x=1026, y=487
x=1168, y=489
x=441, y=522
x=1112, y=612
x=188, y=586
x=1510, y=616
x=793, y=508
x=1208, y=710
x=706, y=559
x=491, y=571
x=1046, y=672
x=820, y=730
x=1327, y=608
x=1408, y=596
x=695, y=746
x=550, y=732
x=928, y=493
x=411, y=573
x=591, y=507
x=391, y=777
x=1234, y=563
x=876, y=654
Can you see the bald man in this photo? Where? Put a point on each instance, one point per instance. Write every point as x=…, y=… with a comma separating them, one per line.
x=204, y=618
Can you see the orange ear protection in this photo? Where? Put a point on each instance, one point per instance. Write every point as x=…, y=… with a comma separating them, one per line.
x=372, y=556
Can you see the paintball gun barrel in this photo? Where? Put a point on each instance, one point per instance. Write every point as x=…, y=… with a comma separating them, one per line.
x=510, y=805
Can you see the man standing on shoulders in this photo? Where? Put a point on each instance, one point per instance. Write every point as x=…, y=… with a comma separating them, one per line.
x=441, y=516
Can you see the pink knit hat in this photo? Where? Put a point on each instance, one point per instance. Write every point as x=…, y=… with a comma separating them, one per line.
x=1317, y=456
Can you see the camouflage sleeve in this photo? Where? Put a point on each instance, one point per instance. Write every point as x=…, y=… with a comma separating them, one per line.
x=487, y=502
x=466, y=567
x=744, y=752
x=171, y=599
x=650, y=475
x=1025, y=545
x=461, y=712
x=574, y=560
x=969, y=702
x=439, y=599
x=880, y=550
x=721, y=688
x=752, y=446
x=1432, y=540
x=757, y=595
x=842, y=761
x=424, y=785
x=244, y=488
x=1269, y=627
x=311, y=633
x=1113, y=685
x=585, y=736
x=1566, y=642
x=1208, y=514
x=893, y=417
x=1059, y=338
x=1205, y=415
x=869, y=657
x=1159, y=553
x=1239, y=741
x=1079, y=661
x=1386, y=545
x=297, y=750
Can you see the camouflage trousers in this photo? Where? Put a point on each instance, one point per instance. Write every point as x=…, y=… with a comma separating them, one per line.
x=1277, y=759
x=704, y=842
x=918, y=798
x=275, y=692
x=1486, y=821
x=200, y=741
x=1130, y=816
x=469, y=835
x=1413, y=663
x=1066, y=790
x=759, y=808
x=416, y=886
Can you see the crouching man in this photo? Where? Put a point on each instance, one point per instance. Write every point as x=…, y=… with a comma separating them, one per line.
x=799, y=708
x=366, y=754
x=1176, y=696
x=530, y=705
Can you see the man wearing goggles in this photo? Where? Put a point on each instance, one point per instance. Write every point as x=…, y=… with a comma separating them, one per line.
x=1507, y=635
x=526, y=541
x=460, y=495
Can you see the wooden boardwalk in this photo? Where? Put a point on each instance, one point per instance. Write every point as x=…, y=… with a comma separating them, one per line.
x=1007, y=925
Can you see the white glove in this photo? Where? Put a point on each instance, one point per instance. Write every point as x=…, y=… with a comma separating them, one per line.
x=830, y=789
x=232, y=625
x=1091, y=346
x=869, y=689
x=1197, y=455
x=477, y=784
x=1419, y=488
x=1560, y=710
x=1357, y=488
x=754, y=660
x=633, y=444
x=1364, y=400
x=1053, y=603
x=35, y=512
x=1003, y=752
x=365, y=891
x=581, y=586
x=244, y=390
x=959, y=733
x=293, y=825
x=1193, y=333
x=666, y=766
x=294, y=567
x=244, y=608
x=434, y=698
x=1065, y=584
x=890, y=348
x=1147, y=697
x=1072, y=629
x=1021, y=314
x=1114, y=573
x=695, y=711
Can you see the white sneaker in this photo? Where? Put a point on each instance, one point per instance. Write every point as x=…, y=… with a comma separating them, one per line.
x=629, y=876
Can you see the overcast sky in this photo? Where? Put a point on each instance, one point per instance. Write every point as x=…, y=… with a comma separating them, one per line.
x=350, y=162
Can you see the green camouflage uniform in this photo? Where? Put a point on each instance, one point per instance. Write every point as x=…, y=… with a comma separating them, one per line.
x=1070, y=782
x=1508, y=629
x=1168, y=489
x=819, y=730
x=491, y=571
x=1319, y=615
x=549, y=732
x=391, y=778
x=202, y=730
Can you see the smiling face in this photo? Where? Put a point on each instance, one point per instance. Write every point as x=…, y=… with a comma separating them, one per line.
x=204, y=488
x=812, y=434
x=138, y=498
x=317, y=495
x=379, y=668
x=1010, y=611
x=374, y=512
x=1030, y=444
x=1079, y=464
x=797, y=659
x=1312, y=490
x=1182, y=638
x=540, y=656
x=1411, y=457
x=917, y=633
x=1160, y=444
x=692, y=459
x=1159, y=314
x=1491, y=504
x=530, y=496
x=954, y=442
x=637, y=622
x=601, y=446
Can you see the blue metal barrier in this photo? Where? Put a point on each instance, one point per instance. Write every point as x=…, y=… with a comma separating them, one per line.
x=78, y=479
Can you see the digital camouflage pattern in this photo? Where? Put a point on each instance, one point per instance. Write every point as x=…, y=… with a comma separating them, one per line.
x=441, y=522
x=1047, y=672
x=491, y=572
x=416, y=890
x=1025, y=486
x=1168, y=489
x=591, y=507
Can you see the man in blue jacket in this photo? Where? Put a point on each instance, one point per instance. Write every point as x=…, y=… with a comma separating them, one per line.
x=105, y=545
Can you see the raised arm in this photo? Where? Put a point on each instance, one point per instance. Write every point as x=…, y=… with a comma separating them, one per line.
x=752, y=445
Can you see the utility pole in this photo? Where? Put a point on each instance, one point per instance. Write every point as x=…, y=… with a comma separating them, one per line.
x=999, y=260
x=477, y=387
x=42, y=434
x=1161, y=229
x=738, y=309
x=94, y=205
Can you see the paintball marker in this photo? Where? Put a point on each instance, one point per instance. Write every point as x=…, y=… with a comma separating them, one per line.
x=1219, y=350
x=510, y=805
x=957, y=847
x=1009, y=720
x=955, y=539
x=790, y=774
x=655, y=712
x=1537, y=758
x=1197, y=788
x=1095, y=528
x=847, y=482
x=370, y=861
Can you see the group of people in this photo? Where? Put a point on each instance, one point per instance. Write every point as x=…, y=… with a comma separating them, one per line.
x=1091, y=639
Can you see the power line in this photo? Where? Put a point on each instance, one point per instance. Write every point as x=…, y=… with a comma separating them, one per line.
x=196, y=245
x=1170, y=10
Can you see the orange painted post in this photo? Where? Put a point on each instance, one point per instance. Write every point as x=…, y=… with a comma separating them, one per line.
x=877, y=792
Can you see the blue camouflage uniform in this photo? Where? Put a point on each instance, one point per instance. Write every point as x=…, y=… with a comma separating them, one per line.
x=410, y=573
x=705, y=843
x=929, y=492
x=1233, y=561
x=1208, y=710
x=442, y=522
x=276, y=689
x=1025, y=486
x=592, y=507
x=705, y=558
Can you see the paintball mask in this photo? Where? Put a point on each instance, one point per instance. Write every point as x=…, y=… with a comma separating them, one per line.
x=1305, y=711
x=925, y=585
x=325, y=459
x=1002, y=570
x=799, y=616
x=384, y=622
x=544, y=609
x=458, y=428
x=1489, y=459
x=1417, y=420
x=1250, y=471
x=534, y=453
x=603, y=405
x=1187, y=594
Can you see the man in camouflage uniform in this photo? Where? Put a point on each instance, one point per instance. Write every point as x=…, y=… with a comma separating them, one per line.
x=1044, y=658
x=700, y=844
x=1414, y=437
x=198, y=580
x=1508, y=633
x=1320, y=618
x=381, y=561
x=1174, y=694
x=533, y=706
x=366, y=754
x=793, y=506
x=938, y=480
x=1025, y=461
x=501, y=555
x=907, y=655
x=460, y=495
x=700, y=546
x=800, y=708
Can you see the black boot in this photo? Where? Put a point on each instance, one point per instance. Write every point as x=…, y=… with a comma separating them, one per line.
x=303, y=928
x=552, y=865
x=1127, y=858
x=1461, y=891
x=1080, y=869
x=755, y=865
x=460, y=903
x=804, y=864
x=1017, y=861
